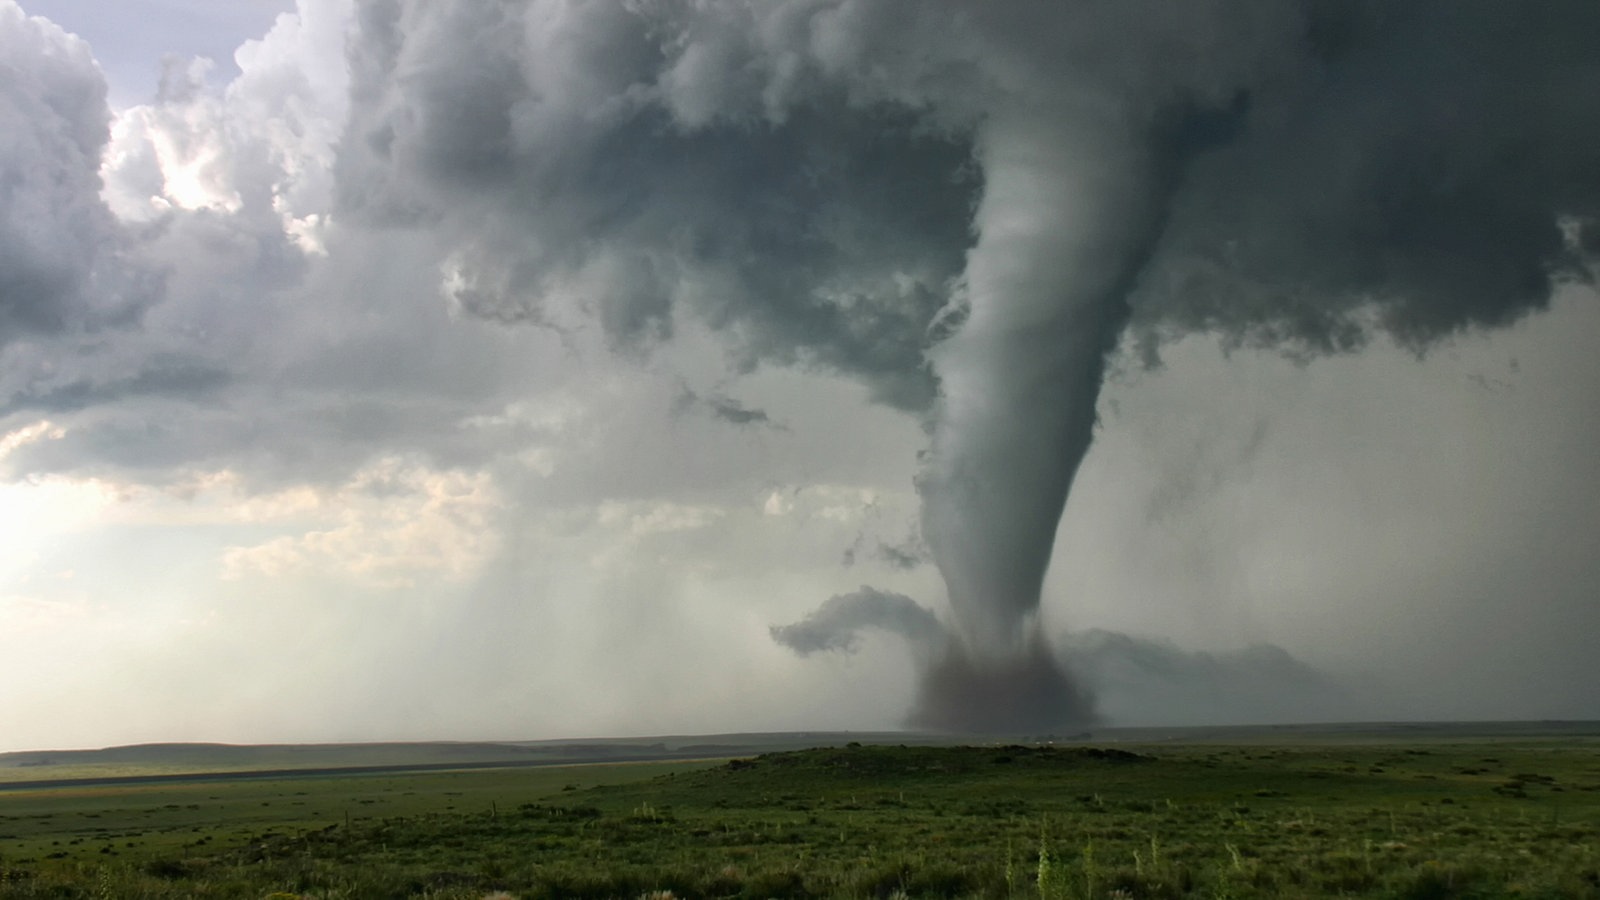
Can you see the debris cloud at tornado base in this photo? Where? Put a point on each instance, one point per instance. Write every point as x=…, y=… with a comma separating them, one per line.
x=968, y=207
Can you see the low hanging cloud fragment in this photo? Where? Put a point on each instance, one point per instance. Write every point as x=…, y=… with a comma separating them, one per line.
x=905, y=555
x=722, y=408
x=902, y=555
x=836, y=624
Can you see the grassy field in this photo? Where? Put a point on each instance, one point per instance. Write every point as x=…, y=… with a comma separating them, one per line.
x=1507, y=818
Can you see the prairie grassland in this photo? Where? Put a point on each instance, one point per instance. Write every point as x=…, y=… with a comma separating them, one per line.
x=1499, y=819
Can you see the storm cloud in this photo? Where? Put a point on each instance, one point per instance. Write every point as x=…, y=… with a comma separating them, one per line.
x=569, y=327
x=1424, y=168
x=611, y=162
x=966, y=207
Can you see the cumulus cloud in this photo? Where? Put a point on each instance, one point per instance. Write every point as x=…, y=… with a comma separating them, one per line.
x=65, y=264
x=283, y=348
x=221, y=191
x=264, y=140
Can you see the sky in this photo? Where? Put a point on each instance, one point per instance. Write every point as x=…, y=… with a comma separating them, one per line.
x=403, y=370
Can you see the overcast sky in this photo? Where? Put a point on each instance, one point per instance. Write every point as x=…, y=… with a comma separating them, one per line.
x=475, y=370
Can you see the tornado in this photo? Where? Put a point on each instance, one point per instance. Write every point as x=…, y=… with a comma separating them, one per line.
x=1065, y=219
x=1068, y=215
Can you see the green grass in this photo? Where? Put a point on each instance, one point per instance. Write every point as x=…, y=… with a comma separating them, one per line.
x=1501, y=819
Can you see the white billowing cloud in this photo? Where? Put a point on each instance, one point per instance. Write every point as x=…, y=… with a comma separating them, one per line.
x=172, y=154
x=294, y=87
x=270, y=133
x=224, y=190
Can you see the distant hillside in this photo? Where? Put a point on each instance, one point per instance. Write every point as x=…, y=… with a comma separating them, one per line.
x=184, y=758
x=167, y=759
x=141, y=760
